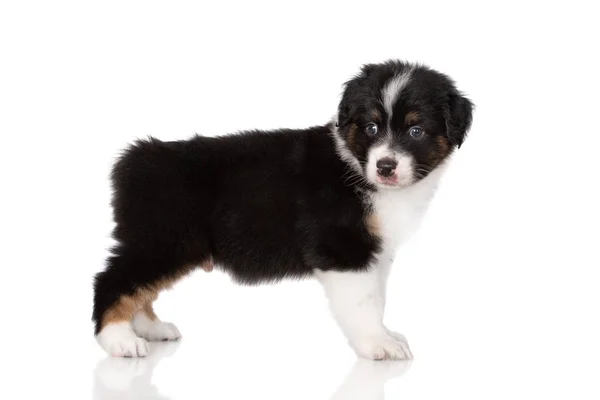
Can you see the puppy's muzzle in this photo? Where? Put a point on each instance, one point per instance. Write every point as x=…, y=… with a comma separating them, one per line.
x=386, y=167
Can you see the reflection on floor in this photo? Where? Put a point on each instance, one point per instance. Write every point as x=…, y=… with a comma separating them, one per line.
x=131, y=378
x=366, y=379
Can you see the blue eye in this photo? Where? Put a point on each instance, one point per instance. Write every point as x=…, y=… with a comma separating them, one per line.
x=416, y=132
x=371, y=129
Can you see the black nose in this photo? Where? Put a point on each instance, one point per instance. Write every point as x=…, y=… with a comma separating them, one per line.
x=386, y=166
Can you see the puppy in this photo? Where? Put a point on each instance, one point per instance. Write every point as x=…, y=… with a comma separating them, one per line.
x=333, y=202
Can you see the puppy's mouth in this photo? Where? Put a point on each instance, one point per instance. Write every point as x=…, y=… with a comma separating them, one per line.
x=393, y=182
x=388, y=180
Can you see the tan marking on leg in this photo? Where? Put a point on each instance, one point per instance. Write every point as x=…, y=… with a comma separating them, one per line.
x=127, y=305
x=169, y=282
x=141, y=299
x=149, y=311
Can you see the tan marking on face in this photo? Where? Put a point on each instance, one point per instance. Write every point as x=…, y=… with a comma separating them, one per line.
x=412, y=118
x=443, y=145
x=352, y=135
x=142, y=299
x=355, y=140
x=375, y=116
x=440, y=151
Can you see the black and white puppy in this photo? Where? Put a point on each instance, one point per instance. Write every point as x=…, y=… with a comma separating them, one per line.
x=332, y=202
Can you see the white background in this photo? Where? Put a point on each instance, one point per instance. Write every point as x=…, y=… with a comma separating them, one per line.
x=498, y=294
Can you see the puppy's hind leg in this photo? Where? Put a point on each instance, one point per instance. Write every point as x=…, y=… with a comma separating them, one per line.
x=115, y=302
x=146, y=323
x=123, y=298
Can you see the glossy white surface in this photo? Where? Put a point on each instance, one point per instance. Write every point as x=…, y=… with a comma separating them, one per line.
x=497, y=294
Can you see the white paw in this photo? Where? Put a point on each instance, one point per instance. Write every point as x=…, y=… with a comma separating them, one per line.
x=161, y=331
x=154, y=330
x=401, y=338
x=384, y=347
x=119, y=340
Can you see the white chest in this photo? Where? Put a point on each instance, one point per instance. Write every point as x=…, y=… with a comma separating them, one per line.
x=399, y=213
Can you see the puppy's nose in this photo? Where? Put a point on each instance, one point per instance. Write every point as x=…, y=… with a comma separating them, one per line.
x=386, y=166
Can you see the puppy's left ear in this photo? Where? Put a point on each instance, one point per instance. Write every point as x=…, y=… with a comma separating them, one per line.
x=459, y=116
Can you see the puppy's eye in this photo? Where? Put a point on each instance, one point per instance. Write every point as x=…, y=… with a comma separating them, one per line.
x=371, y=129
x=416, y=132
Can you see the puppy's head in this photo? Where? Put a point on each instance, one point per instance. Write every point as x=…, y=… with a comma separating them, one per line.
x=397, y=122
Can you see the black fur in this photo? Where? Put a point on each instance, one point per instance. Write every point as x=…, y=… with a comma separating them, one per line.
x=264, y=205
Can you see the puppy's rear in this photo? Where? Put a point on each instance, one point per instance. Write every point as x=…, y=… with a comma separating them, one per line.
x=255, y=204
x=152, y=202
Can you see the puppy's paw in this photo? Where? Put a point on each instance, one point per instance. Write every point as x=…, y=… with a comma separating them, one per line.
x=155, y=330
x=401, y=338
x=384, y=347
x=160, y=331
x=119, y=340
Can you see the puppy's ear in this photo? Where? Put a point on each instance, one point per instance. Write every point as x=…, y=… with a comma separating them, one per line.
x=343, y=116
x=459, y=116
x=346, y=106
x=368, y=69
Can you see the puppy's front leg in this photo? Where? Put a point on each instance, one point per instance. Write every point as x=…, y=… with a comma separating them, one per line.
x=357, y=303
x=384, y=272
